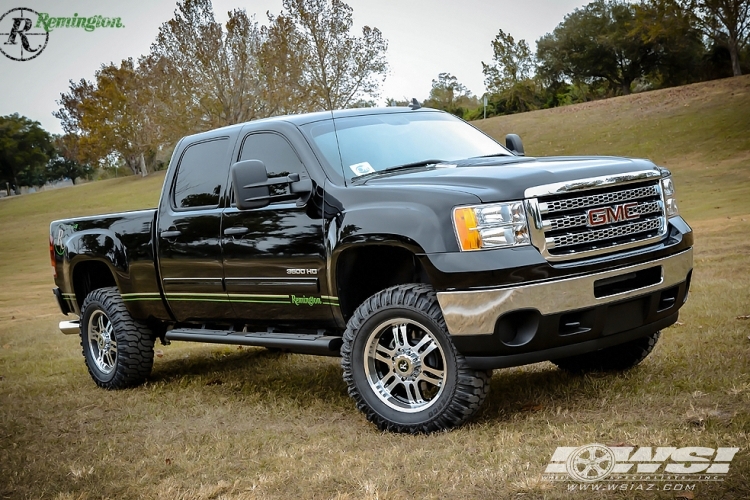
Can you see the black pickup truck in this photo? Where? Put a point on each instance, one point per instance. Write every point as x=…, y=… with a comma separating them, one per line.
x=406, y=241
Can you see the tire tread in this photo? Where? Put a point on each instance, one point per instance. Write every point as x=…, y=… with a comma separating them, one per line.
x=472, y=385
x=135, y=341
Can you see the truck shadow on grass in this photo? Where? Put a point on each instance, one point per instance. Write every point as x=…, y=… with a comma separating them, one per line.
x=518, y=392
x=257, y=372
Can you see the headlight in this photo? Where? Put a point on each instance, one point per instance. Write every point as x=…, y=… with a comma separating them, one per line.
x=494, y=225
x=670, y=199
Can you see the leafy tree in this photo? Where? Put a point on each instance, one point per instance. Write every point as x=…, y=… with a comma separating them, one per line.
x=676, y=44
x=725, y=22
x=113, y=115
x=65, y=164
x=448, y=94
x=25, y=149
x=207, y=75
x=512, y=63
x=509, y=77
x=340, y=68
x=597, y=42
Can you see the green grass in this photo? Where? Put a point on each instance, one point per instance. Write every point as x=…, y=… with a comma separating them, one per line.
x=222, y=422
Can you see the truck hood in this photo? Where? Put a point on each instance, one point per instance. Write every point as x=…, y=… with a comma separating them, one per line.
x=506, y=178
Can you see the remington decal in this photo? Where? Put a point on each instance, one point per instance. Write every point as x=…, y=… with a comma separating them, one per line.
x=310, y=301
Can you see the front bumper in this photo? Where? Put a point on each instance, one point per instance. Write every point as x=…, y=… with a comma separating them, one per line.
x=512, y=326
x=476, y=312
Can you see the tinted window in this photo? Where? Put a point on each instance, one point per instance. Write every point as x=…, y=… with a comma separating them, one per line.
x=277, y=154
x=202, y=172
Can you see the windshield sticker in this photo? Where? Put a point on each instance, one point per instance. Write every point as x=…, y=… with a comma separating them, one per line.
x=362, y=168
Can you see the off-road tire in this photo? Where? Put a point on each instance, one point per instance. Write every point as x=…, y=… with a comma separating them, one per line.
x=463, y=389
x=616, y=358
x=134, y=341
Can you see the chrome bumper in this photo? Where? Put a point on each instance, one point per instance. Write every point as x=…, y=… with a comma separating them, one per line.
x=70, y=327
x=475, y=312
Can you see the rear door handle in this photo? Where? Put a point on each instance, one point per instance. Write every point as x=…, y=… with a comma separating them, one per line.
x=233, y=231
x=170, y=234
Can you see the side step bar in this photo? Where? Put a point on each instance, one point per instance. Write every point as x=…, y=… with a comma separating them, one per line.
x=319, y=345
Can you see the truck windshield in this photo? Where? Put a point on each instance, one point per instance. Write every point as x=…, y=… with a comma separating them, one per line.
x=375, y=143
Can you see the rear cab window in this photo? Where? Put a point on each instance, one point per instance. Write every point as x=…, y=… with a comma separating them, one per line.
x=201, y=175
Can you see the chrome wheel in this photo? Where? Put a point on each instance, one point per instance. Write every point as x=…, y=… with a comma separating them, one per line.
x=102, y=343
x=405, y=365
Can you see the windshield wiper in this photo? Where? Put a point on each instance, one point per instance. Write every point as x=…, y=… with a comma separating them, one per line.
x=406, y=166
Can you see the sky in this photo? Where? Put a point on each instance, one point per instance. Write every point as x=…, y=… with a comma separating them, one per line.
x=425, y=38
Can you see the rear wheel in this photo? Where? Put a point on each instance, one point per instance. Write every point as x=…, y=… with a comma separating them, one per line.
x=119, y=351
x=401, y=367
x=616, y=358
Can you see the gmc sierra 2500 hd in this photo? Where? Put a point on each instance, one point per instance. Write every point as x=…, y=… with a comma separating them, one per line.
x=406, y=241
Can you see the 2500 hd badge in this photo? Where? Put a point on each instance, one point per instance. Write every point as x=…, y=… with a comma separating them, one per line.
x=449, y=256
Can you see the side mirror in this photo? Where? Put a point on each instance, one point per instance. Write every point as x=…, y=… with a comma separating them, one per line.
x=250, y=184
x=254, y=189
x=514, y=143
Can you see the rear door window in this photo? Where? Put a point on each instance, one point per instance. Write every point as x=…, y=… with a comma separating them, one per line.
x=201, y=175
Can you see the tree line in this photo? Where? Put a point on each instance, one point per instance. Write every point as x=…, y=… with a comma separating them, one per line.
x=201, y=74
x=604, y=49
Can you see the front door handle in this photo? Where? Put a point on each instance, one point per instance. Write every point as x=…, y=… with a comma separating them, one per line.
x=170, y=234
x=234, y=231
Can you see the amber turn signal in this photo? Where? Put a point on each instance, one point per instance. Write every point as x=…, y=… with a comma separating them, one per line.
x=465, y=221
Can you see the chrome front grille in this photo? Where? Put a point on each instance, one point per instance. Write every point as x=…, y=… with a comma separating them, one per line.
x=597, y=216
x=580, y=238
x=601, y=199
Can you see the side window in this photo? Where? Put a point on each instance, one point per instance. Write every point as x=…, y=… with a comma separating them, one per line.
x=202, y=171
x=275, y=152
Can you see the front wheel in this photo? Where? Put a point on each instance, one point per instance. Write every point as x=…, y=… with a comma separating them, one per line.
x=119, y=350
x=401, y=367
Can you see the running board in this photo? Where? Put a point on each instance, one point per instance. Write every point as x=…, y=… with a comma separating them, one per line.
x=319, y=345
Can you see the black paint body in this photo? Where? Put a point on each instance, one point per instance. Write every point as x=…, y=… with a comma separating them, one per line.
x=277, y=267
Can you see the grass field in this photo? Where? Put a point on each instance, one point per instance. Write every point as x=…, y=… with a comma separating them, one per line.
x=224, y=422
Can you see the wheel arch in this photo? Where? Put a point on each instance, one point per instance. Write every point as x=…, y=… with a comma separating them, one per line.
x=90, y=274
x=362, y=268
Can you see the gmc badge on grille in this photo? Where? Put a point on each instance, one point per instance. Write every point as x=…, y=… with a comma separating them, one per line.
x=607, y=215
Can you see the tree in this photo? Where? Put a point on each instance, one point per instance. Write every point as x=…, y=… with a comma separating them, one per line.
x=25, y=149
x=509, y=77
x=64, y=164
x=597, y=42
x=113, y=115
x=724, y=21
x=676, y=44
x=448, y=94
x=340, y=68
x=511, y=63
x=208, y=76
